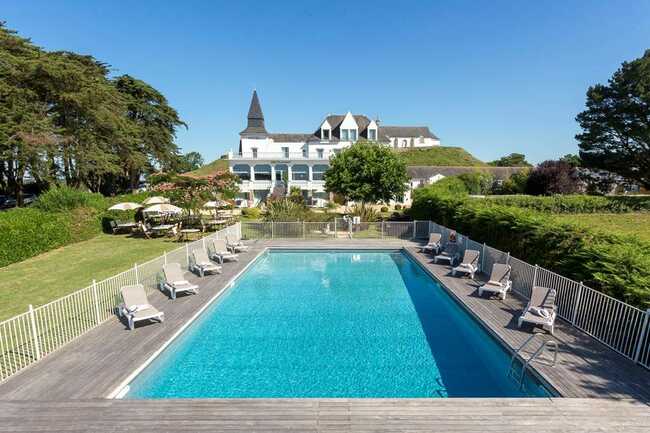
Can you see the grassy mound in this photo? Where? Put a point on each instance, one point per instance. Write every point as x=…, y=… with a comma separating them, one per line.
x=441, y=156
x=209, y=169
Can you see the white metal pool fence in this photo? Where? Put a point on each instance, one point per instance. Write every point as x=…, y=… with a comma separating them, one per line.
x=26, y=338
x=620, y=326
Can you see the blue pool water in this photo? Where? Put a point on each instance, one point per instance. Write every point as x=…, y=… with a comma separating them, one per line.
x=332, y=324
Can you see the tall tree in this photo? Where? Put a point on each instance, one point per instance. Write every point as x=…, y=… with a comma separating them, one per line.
x=616, y=124
x=512, y=160
x=367, y=172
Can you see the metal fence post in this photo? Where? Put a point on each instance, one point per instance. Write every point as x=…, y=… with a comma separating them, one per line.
x=483, y=258
x=303, y=230
x=508, y=258
x=137, y=276
x=535, y=276
x=382, y=229
x=96, y=302
x=37, y=343
x=335, y=232
x=577, y=303
x=414, y=222
x=644, y=330
x=271, y=229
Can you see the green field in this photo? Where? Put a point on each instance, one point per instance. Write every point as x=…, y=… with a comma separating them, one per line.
x=56, y=273
x=441, y=155
x=635, y=224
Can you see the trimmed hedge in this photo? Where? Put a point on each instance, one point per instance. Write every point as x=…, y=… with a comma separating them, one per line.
x=574, y=203
x=616, y=265
x=59, y=217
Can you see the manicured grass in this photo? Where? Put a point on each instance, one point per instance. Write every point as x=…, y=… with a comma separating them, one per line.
x=441, y=155
x=210, y=168
x=56, y=273
x=635, y=224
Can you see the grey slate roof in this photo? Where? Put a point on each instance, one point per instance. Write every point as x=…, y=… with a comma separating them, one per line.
x=425, y=172
x=406, y=131
x=255, y=117
x=291, y=138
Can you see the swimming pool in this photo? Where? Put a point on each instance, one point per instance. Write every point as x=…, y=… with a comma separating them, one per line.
x=332, y=324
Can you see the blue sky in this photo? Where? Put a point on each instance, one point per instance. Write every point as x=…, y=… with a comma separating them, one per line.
x=493, y=77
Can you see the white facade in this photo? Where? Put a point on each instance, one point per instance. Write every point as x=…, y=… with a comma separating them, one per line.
x=275, y=163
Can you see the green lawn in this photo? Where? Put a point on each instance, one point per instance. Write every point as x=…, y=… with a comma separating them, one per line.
x=636, y=224
x=56, y=273
x=441, y=155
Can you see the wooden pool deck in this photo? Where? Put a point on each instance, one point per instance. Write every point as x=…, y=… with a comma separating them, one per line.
x=66, y=391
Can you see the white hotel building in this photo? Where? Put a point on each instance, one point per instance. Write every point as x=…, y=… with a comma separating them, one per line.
x=270, y=163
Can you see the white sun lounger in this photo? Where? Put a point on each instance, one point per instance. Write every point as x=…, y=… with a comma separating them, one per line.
x=499, y=281
x=136, y=306
x=450, y=254
x=469, y=264
x=175, y=281
x=203, y=264
x=433, y=245
x=236, y=247
x=220, y=251
x=540, y=309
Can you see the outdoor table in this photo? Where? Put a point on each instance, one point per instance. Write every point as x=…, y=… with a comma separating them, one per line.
x=127, y=227
x=185, y=233
x=162, y=228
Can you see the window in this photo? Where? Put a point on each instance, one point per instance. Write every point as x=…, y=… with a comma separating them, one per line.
x=285, y=152
x=344, y=135
x=281, y=172
x=372, y=134
x=405, y=143
x=421, y=140
x=305, y=152
x=320, y=153
x=262, y=172
x=243, y=171
x=325, y=135
x=299, y=172
x=353, y=135
x=254, y=150
x=318, y=172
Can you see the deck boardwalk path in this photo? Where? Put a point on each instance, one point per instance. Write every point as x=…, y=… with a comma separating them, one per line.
x=66, y=390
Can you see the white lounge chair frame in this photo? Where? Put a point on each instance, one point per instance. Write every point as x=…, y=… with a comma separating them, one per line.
x=433, y=245
x=235, y=247
x=540, y=297
x=136, y=307
x=175, y=281
x=202, y=263
x=220, y=252
x=469, y=264
x=499, y=281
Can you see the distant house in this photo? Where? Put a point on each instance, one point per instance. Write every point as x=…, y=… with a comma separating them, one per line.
x=426, y=175
x=272, y=163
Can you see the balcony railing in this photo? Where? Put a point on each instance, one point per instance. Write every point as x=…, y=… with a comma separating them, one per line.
x=278, y=156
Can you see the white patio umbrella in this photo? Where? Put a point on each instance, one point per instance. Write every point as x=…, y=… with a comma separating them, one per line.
x=155, y=200
x=125, y=206
x=163, y=208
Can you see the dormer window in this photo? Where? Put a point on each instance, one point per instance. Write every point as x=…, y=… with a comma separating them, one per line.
x=348, y=135
x=344, y=135
x=353, y=135
x=325, y=134
x=372, y=134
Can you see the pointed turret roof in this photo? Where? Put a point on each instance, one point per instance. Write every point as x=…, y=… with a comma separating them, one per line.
x=255, y=117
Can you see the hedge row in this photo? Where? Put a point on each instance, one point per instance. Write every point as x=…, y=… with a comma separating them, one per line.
x=574, y=203
x=59, y=217
x=616, y=265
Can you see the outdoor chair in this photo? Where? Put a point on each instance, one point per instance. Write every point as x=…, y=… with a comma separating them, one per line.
x=450, y=254
x=499, y=281
x=469, y=265
x=433, y=245
x=540, y=309
x=203, y=264
x=136, y=307
x=175, y=281
x=236, y=247
x=220, y=251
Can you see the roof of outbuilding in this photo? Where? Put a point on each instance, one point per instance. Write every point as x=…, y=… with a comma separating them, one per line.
x=406, y=131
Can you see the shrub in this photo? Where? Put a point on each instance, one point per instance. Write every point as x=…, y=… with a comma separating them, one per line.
x=616, y=265
x=251, y=212
x=477, y=182
x=398, y=206
x=552, y=177
x=366, y=213
x=384, y=209
x=574, y=203
x=285, y=209
x=60, y=199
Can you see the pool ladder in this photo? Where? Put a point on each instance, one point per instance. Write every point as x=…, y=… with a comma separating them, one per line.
x=525, y=364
